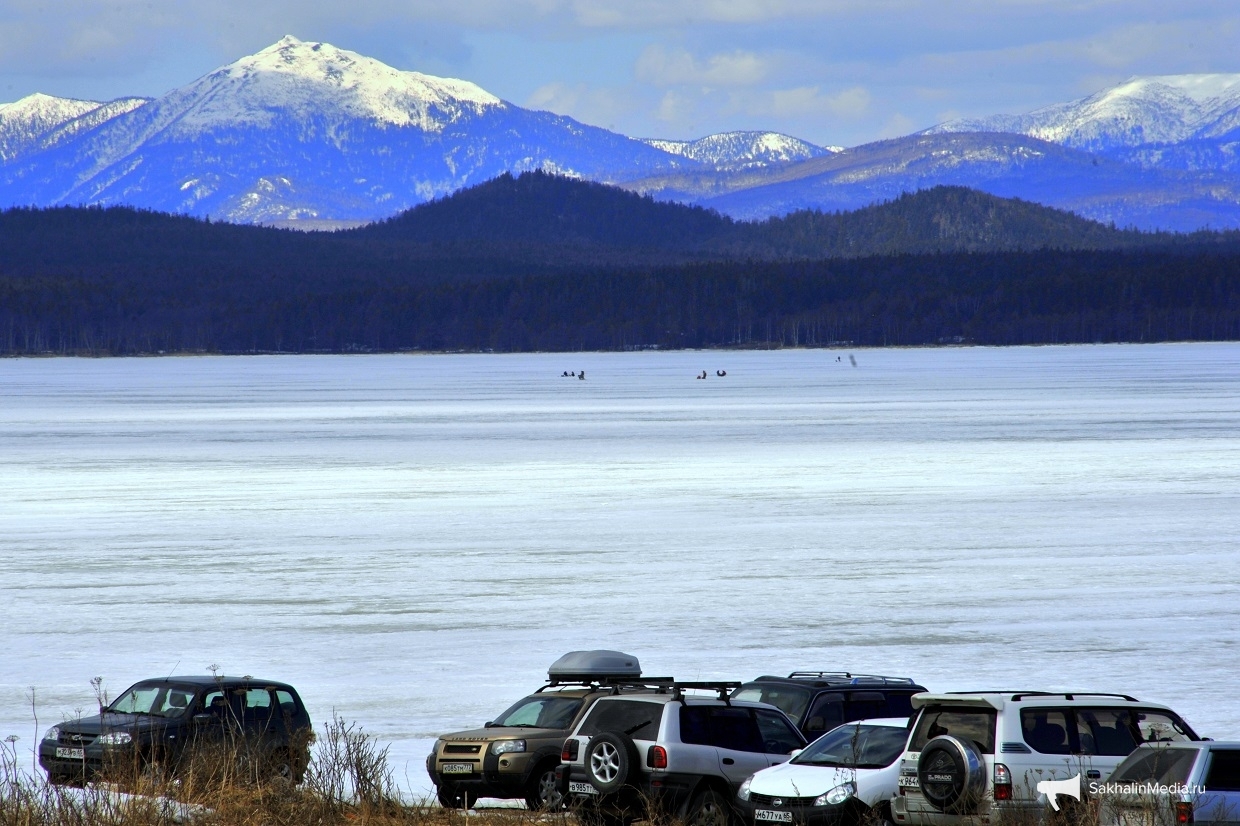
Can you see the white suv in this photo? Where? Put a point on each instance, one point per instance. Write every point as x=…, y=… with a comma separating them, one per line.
x=633, y=757
x=971, y=755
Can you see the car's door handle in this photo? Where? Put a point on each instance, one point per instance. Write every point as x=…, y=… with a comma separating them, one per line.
x=728, y=761
x=1093, y=774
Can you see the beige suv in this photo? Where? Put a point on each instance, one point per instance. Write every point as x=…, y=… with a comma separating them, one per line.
x=516, y=754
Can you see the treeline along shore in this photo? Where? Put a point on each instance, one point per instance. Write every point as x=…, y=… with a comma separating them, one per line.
x=543, y=263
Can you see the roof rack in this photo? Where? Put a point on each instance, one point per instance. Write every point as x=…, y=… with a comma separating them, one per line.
x=723, y=687
x=1071, y=695
x=852, y=679
x=1017, y=696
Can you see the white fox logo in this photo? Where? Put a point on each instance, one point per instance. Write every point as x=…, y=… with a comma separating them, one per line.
x=1053, y=788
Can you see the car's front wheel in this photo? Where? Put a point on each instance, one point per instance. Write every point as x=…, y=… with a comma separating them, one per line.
x=541, y=794
x=449, y=796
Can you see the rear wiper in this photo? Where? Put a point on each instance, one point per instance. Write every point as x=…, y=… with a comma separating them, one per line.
x=629, y=732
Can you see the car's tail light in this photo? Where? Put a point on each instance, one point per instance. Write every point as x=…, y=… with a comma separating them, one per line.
x=1003, y=782
x=1183, y=812
x=656, y=758
x=569, y=752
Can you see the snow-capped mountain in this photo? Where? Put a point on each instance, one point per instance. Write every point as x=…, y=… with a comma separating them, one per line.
x=39, y=121
x=1164, y=109
x=743, y=150
x=307, y=130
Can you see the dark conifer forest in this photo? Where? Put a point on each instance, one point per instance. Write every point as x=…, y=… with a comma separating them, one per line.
x=545, y=263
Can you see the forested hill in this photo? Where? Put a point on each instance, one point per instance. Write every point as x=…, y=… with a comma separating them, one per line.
x=540, y=224
x=537, y=209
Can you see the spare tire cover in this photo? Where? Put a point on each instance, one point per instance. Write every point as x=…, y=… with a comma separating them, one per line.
x=951, y=773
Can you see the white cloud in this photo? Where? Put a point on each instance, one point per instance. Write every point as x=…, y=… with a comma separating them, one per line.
x=660, y=66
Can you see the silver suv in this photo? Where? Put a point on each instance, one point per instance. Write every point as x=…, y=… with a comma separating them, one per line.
x=970, y=755
x=670, y=753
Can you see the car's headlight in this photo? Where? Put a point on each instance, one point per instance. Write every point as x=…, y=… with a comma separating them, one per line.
x=53, y=733
x=507, y=746
x=743, y=791
x=114, y=738
x=837, y=795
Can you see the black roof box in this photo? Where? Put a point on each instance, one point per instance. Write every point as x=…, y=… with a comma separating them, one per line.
x=592, y=666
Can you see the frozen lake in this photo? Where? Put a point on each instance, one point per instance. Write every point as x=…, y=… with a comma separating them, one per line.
x=412, y=540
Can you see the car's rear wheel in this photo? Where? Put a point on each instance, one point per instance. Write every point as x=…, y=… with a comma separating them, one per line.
x=709, y=809
x=541, y=793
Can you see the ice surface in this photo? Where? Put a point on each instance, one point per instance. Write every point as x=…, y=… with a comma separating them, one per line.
x=413, y=540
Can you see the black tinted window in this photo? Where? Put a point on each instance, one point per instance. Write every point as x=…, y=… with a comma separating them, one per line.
x=1224, y=772
x=1045, y=729
x=856, y=746
x=735, y=728
x=634, y=718
x=977, y=725
x=899, y=705
x=1106, y=731
x=826, y=713
x=863, y=705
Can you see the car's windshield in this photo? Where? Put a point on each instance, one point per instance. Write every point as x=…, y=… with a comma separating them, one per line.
x=855, y=745
x=789, y=699
x=1159, y=765
x=541, y=711
x=156, y=699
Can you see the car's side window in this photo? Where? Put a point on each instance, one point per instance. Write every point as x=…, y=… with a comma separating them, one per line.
x=214, y=702
x=695, y=725
x=1105, y=731
x=777, y=736
x=735, y=729
x=1223, y=773
x=826, y=713
x=1159, y=727
x=288, y=705
x=1045, y=730
x=863, y=705
x=634, y=718
x=175, y=702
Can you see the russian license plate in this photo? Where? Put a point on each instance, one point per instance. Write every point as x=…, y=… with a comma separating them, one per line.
x=457, y=768
x=908, y=781
x=70, y=754
x=581, y=788
x=772, y=815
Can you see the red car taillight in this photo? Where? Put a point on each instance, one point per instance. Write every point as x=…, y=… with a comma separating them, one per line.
x=656, y=758
x=569, y=752
x=1183, y=812
x=1003, y=782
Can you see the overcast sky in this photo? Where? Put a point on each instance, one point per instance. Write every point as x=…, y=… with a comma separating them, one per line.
x=829, y=71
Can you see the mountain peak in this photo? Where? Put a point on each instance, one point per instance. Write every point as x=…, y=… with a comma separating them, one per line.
x=304, y=80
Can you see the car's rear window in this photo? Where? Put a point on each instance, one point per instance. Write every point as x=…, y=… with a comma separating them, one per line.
x=1156, y=765
x=976, y=724
x=1224, y=772
x=632, y=717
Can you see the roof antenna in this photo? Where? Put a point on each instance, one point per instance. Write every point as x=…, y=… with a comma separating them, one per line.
x=170, y=673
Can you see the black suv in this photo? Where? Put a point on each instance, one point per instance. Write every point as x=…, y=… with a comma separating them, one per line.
x=156, y=723
x=818, y=701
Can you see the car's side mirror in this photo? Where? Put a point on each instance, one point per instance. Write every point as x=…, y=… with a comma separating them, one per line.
x=103, y=709
x=203, y=719
x=488, y=724
x=795, y=752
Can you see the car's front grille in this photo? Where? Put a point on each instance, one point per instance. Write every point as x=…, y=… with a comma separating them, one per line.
x=72, y=738
x=454, y=748
x=771, y=800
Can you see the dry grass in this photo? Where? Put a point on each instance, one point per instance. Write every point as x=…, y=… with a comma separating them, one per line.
x=347, y=783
